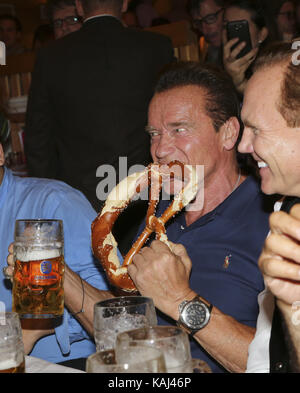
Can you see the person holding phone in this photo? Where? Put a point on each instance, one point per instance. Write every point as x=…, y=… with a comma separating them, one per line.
x=248, y=22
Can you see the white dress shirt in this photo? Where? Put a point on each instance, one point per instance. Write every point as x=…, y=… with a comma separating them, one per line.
x=258, y=352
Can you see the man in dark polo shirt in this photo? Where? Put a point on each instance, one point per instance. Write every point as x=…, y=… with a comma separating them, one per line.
x=193, y=118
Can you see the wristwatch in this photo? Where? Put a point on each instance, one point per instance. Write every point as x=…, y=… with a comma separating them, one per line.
x=194, y=314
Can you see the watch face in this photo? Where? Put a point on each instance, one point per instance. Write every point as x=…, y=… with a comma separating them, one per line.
x=195, y=315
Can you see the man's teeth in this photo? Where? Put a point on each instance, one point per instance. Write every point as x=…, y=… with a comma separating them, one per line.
x=262, y=164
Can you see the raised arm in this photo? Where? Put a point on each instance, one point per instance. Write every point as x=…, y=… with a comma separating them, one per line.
x=280, y=265
x=164, y=276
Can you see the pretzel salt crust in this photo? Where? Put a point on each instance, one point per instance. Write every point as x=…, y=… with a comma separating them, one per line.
x=104, y=244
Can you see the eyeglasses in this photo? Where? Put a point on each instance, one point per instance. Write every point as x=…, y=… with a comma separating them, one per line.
x=208, y=19
x=289, y=14
x=69, y=20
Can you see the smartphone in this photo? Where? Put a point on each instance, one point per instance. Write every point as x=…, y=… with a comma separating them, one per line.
x=240, y=29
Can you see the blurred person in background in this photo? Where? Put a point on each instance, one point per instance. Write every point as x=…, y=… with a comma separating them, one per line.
x=64, y=17
x=43, y=35
x=145, y=13
x=178, y=11
x=207, y=19
x=297, y=9
x=11, y=34
x=92, y=107
x=129, y=17
x=284, y=14
x=262, y=31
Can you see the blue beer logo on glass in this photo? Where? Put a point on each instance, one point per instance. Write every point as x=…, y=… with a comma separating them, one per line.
x=46, y=267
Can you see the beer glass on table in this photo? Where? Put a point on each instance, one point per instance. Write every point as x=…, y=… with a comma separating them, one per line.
x=39, y=269
x=171, y=340
x=137, y=359
x=12, y=356
x=119, y=314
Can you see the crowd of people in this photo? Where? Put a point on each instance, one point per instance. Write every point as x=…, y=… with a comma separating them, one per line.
x=94, y=92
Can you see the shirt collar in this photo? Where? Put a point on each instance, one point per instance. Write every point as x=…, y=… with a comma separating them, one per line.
x=235, y=204
x=231, y=208
x=99, y=16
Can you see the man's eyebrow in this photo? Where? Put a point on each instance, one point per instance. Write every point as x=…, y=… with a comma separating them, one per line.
x=149, y=128
x=179, y=123
x=170, y=125
x=248, y=123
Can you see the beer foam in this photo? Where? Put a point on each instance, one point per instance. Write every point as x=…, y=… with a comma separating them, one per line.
x=36, y=255
x=6, y=364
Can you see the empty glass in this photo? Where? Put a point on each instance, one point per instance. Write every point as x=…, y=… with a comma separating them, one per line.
x=171, y=340
x=119, y=314
x=12, y=357
x=137, y=359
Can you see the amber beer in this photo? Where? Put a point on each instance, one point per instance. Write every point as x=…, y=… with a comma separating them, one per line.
x=11, y=366
x=38, y=276
x=12, y=357
x=38, y=284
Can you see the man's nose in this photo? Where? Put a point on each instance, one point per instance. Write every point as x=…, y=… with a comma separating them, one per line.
x=165, y=146
x=246, y=143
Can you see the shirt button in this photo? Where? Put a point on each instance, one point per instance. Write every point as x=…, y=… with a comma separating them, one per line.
x=279, y=366
x=181, y=227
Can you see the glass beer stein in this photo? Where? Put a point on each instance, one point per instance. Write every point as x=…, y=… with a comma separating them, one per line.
x=12, y=356
x=39, y=269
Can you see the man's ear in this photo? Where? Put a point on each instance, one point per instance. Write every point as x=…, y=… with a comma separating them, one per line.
x=230, y=131
x=79, y=8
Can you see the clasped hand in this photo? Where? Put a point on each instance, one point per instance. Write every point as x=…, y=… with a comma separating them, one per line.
x=280, y=259
x=163, y=275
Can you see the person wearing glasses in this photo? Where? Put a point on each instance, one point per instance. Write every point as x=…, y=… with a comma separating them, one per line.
x=207, y=18
x=284, y=14
x=63, y=16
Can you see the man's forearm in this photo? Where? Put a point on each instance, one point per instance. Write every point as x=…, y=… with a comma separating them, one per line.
x=74, y=298
x=226, y=340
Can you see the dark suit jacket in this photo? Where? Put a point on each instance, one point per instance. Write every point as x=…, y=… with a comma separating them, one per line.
x=88, y=102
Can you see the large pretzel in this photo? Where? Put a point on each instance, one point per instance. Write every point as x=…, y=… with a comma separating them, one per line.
x=103, y=242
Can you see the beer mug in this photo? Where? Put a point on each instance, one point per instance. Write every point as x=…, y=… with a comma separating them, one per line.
x=112, y=316
x=137, y=359
x=12, y=357
x=171, y=340
x=39, y=269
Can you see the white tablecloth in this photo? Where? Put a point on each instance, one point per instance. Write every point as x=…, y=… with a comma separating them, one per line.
x=35, y=365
